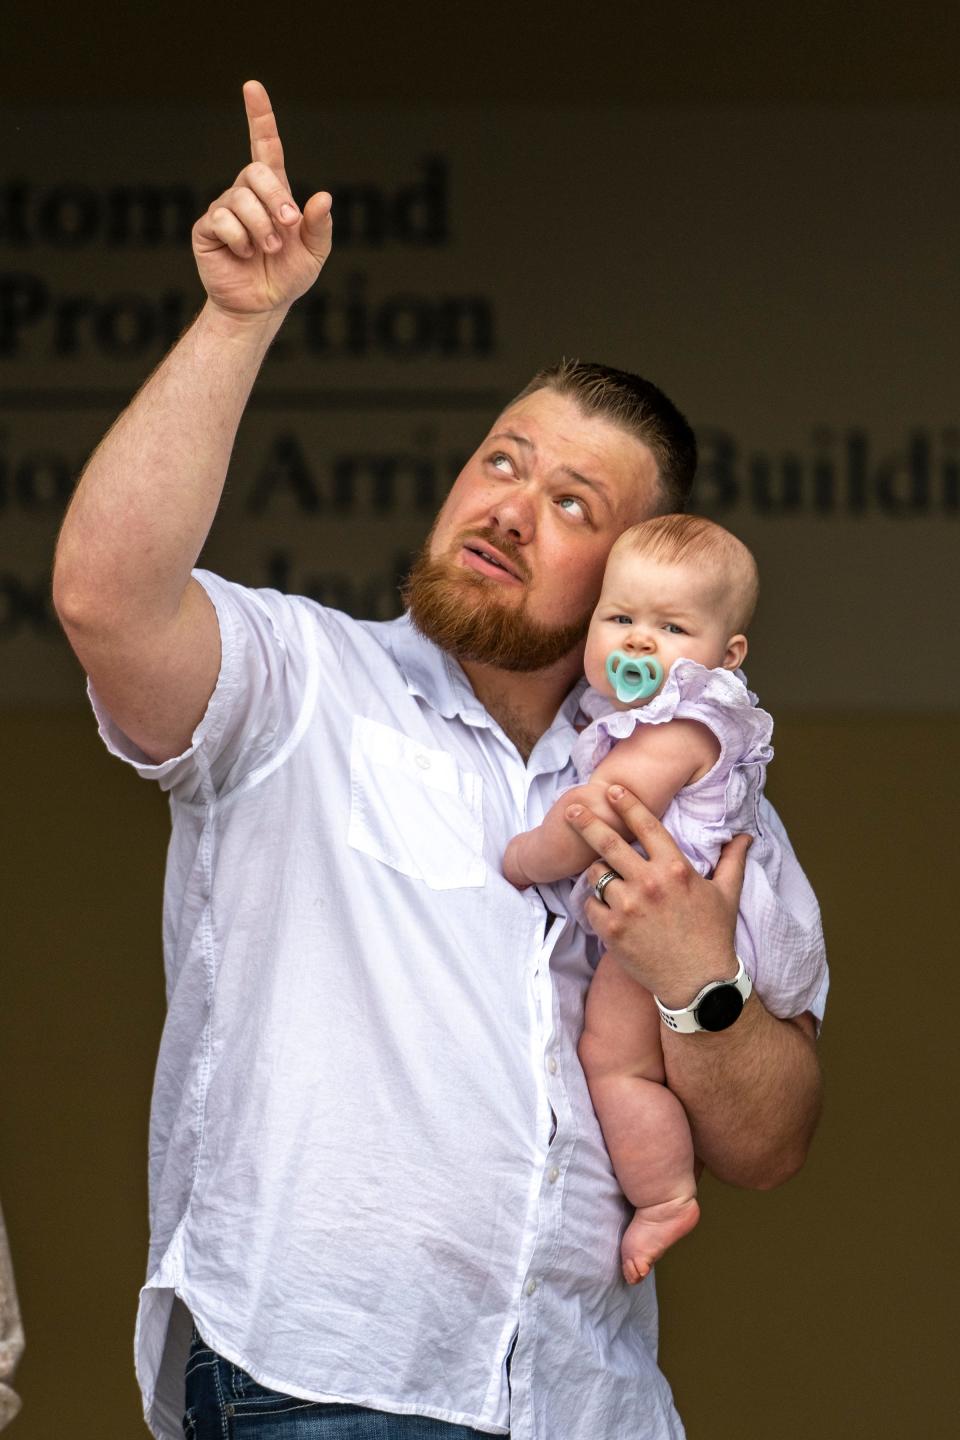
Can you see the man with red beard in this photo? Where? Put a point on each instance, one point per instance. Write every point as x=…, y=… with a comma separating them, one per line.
x=380, y=1202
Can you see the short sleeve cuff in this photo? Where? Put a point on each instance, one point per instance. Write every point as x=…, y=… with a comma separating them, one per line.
x=189, y=769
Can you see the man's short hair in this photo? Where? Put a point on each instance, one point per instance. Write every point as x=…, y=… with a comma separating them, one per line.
x=637, y=406
x=680, y=539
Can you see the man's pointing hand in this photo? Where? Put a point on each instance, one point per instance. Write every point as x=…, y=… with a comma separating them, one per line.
x=256, y=251
x=669, y=928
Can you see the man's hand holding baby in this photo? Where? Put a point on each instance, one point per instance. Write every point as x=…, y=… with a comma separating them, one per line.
x=670, y=928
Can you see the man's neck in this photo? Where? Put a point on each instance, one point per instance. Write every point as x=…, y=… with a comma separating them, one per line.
x=524, y=704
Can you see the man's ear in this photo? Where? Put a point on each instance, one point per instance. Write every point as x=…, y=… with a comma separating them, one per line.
x=736, y=652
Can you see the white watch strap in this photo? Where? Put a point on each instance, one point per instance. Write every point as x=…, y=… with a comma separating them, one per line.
x=685, y=1021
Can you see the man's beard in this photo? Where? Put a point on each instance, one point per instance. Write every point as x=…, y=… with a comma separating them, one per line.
x=461, y=611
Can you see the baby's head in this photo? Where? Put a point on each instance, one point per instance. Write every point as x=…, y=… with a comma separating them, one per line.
x=677, y=586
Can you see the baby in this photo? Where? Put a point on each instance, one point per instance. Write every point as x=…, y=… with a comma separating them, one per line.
x=673, y=722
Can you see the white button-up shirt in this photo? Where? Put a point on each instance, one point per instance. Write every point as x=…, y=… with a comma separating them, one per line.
x=375, y=1171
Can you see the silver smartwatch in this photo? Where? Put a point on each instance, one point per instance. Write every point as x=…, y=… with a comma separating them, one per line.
x=716, y=1007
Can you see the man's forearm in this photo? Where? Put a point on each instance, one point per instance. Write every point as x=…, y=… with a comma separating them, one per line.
x=752, y=1095
x=142, y=510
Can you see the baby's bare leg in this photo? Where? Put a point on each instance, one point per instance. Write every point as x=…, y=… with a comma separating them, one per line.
x=644, y=1125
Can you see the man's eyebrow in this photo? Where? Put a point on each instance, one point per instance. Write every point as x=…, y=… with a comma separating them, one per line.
x=595, y=485
x=512, y=435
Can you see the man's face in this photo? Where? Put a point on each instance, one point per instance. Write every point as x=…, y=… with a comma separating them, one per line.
x=512, y=568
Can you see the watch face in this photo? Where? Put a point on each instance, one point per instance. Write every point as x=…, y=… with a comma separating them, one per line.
x=719, y=1008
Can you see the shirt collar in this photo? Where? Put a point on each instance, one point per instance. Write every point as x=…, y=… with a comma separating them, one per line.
x=438, y=679
x=430, y=673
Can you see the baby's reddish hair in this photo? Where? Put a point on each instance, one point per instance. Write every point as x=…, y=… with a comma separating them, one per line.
x=672, y=539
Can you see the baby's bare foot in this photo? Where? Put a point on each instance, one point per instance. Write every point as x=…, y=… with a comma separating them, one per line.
x=652, y=1231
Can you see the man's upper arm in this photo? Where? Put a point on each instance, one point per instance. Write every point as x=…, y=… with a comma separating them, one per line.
x=155, y=684
x=807, y=1025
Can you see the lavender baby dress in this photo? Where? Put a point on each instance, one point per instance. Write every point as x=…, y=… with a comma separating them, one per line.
x=781, y=947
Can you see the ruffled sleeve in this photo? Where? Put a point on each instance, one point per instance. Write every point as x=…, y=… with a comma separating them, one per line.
x=718, y=699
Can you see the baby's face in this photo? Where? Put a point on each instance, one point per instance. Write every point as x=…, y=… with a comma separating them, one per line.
x=669, y=611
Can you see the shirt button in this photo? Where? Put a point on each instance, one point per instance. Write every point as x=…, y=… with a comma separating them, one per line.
x=553, y=1175
x=531, y=1287
x=552, y=1065
x=423, y=762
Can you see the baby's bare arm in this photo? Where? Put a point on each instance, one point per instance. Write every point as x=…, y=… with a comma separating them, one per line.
x=553, y=850
x=654, y=762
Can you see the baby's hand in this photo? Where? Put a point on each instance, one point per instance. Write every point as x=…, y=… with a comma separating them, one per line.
x=512, y=868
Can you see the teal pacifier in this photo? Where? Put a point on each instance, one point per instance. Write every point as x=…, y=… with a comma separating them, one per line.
x=631, y=678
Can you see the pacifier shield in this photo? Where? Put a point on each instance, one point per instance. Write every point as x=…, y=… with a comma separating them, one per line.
x=633, y=678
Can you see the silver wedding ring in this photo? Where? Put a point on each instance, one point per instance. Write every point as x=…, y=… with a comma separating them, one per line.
x=603, y=882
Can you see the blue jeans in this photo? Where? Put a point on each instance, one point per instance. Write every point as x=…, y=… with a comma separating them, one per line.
x=224, y=1403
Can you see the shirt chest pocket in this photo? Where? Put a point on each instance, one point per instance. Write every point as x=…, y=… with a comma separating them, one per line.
x=413, y=808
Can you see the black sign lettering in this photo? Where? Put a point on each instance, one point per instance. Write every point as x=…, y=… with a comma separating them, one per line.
x=716, y=488
x=285, y=469
x=25, y=604
x=903, y=481
x=23, y=299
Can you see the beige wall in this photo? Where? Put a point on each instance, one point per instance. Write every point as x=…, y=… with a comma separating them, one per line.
x=822, y=1308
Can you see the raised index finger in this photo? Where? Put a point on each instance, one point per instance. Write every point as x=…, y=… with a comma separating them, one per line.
x=265, y=143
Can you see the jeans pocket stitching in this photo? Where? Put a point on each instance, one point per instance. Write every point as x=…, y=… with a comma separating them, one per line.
x=203, y=1360
x=224, y=1409
x=257, y=1405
